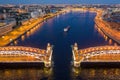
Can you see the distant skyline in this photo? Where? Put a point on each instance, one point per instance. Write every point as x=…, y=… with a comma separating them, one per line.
x=59, y=1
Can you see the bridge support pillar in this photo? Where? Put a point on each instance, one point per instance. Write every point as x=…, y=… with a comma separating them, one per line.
x=76, y=62
x=48, y=64
x=48, y=58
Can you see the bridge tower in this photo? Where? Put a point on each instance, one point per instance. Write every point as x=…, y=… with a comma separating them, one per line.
x=48, y=58
x=75, y=55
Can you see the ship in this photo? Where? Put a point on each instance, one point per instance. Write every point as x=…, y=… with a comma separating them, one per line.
x=66, y=29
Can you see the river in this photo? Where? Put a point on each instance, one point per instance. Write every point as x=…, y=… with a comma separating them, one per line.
x=82, y=30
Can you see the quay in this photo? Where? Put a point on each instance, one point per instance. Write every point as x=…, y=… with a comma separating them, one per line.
x=105, y=28
x=102, y=24
x=21, y=30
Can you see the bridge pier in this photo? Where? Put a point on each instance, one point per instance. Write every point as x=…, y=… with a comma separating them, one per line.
x=48, y=57
x=76, y=64
x=76, y=61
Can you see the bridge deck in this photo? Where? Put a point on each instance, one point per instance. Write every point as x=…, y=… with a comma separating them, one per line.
x=96, y=54
x=19, y=54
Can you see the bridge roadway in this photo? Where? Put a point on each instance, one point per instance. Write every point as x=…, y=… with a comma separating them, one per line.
x=20, y=54
x=95, y=54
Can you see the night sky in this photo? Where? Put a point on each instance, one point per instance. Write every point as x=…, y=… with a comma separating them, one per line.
x=59, y=1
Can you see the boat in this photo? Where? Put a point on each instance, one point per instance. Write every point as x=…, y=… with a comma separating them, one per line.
x=66, y=29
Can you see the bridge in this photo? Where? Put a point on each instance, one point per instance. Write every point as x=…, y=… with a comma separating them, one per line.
x=20, y=54
x=95, y=54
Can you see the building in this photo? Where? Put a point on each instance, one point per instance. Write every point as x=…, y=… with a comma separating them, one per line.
x=2, y=16
x=35, y=14
x=6, y=26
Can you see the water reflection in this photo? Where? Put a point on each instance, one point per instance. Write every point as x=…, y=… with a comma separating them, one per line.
x=23, y=37
x=15, y=42
x=110, y=41
x=27, y=34
x=26, y=74
x=96, y=74
x=33, y=30
x=115, y=44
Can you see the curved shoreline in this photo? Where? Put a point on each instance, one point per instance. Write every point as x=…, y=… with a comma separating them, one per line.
x=104, y=27
x=107, y=34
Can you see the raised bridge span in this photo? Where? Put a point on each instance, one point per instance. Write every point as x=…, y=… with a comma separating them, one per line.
x=20, y=54
x=95, y=54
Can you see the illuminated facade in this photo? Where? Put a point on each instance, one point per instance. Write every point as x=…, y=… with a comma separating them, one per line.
x=7, y=27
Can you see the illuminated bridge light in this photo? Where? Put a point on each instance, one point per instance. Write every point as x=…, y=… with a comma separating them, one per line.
x=97, y=54
x=88, y=50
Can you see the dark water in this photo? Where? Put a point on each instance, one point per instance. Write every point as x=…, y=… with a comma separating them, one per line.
x=82, y=30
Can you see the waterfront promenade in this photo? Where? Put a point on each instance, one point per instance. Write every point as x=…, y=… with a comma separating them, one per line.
x=105, y=27
x=19, y=31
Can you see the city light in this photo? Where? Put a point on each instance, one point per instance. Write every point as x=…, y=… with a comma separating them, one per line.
x=85, y=38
